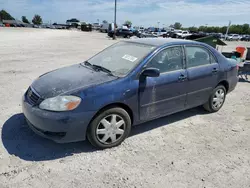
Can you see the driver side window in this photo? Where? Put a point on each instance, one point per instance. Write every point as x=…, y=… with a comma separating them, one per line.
x=167, y=60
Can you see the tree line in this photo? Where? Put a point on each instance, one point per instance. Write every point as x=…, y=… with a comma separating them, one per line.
x=234, y=29
x=37, y=19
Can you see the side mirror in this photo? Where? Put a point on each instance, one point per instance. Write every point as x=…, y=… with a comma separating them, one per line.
x=151, y=72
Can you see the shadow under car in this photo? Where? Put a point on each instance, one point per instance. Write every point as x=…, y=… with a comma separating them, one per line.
x=21, y=141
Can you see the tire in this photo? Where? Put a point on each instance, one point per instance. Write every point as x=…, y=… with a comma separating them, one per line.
x=109, y=134
x=210, y=105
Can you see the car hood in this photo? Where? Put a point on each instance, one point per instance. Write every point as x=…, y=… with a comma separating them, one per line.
x=68, y=79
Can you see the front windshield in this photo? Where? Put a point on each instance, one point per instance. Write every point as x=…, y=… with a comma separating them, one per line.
x=121, y=57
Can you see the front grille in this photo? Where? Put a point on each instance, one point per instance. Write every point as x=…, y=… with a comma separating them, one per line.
x=32, y=96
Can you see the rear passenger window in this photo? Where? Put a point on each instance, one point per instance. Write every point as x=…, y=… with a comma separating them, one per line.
x=197, y=56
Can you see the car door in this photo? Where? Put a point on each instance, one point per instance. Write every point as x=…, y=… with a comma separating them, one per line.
x=202, y=72
x=119, y=32
x=165, y=94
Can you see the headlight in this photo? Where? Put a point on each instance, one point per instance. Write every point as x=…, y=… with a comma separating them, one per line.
x=60, y=103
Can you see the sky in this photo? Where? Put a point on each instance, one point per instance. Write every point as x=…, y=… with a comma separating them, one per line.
x=140, y=12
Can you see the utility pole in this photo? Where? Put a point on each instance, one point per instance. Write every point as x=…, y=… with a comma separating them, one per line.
x=229, y=24
x=114, y=36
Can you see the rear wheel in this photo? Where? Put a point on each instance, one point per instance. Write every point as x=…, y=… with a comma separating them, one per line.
x=216, y=99
x=110, y=128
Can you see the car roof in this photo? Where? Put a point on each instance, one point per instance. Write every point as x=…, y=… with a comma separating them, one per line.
x=162, y=41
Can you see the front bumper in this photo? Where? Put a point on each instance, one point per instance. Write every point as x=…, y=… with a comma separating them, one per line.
x=61, y=127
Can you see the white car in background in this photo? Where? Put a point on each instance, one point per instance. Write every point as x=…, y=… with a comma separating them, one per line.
x=104, y=27
x=182, y=34
x=233, y=37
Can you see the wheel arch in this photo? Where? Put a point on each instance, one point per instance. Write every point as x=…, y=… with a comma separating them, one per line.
x=225, y=84
x=113, y=105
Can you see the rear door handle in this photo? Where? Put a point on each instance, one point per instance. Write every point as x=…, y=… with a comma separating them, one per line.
x=182, y=77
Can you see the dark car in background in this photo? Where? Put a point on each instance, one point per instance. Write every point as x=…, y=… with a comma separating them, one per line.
x=128, y=83
x=245, y=38
x=125, y=33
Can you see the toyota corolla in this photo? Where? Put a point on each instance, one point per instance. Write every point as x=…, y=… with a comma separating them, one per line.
x=126, y=84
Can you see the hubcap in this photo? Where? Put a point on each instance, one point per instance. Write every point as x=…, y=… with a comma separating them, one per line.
x=110, y=129
x=218, y=98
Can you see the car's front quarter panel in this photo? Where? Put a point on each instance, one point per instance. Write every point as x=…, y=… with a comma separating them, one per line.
x=123, y=91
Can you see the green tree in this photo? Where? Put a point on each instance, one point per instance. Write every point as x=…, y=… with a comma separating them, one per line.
x=223, y=29
x=5, y=15
x=177, y=25
x=236, y=29
x=192, y=29
x=25, y=20
x=245, y=28
x=202, y=28
x=37, y=20
x=128, y=23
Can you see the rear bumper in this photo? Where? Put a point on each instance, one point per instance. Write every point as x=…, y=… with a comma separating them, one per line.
x=232, y=83
x=60, y=127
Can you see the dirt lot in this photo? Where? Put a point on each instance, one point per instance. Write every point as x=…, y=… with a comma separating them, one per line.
x=188, y=149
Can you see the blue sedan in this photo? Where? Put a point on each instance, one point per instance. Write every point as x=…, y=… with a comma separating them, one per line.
x=126, y=84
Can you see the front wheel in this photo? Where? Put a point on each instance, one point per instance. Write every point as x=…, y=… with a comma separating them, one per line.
x=216, y=99
x=110, y=128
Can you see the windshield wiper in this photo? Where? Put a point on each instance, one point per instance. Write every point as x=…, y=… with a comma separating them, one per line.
x=99, y=67
x=87, y=63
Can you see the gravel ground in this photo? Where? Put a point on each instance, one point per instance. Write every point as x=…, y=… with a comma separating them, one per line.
x=187, y=149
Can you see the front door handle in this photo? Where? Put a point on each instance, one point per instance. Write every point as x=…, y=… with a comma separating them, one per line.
x=215, y=70
x=182, y=77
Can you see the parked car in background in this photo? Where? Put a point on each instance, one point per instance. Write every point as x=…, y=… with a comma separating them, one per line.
x=139, y=29
x=96, y=26
x=170, y=34
x=182, y=34
x=233, y=37
x=2, y=25
x=160, y=32
x=217, y=35
x=128, y=83
x=146, y=35
x=105, y=27
x=245, y=38
x=125, y=33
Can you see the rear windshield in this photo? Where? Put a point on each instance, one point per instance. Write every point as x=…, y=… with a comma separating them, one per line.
x=121, y=57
